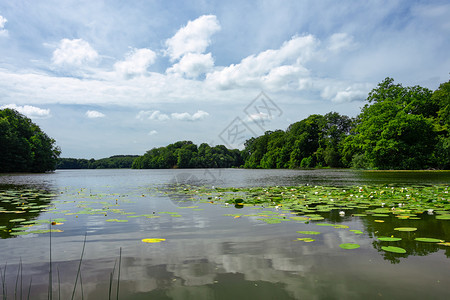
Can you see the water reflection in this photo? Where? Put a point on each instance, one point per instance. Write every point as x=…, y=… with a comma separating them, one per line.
x=18, y=206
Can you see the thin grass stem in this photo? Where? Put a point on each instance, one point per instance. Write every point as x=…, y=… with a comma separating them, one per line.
x=118, y=275
x=29, y=288
x=111, y=276
x=79, y=267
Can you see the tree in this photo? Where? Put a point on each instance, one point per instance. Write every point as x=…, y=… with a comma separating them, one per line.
x=25, y=148
x=395, y=130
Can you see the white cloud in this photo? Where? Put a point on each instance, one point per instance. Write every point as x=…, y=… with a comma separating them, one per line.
x=252, y=69
x=3, y=31
x=29, y=111
x=340, y=41
x=158, y=116
x=93, y=114
x=153, y=132
x=199, y=115
x=339, y=92
x=192, y=65
x=136, y=62
x=75, y=52
x=195, y=37
x=152, y=115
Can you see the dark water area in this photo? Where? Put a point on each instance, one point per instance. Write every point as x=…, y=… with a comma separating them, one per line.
x=207, y=253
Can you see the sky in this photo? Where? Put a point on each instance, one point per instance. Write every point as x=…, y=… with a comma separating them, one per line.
x=117, y=77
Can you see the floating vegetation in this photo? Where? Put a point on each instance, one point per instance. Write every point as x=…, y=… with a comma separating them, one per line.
x=309, y=232
x=349, y=246
x=429, y=240
x=306, y=240
x=405, y=229
x=116, y=220
x=393, y=249
x=153, y=240
x=389, y=239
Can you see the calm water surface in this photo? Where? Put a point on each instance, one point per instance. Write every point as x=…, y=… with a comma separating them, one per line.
x=206, y=255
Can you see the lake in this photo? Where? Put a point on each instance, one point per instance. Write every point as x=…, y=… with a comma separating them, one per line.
x=213, y=250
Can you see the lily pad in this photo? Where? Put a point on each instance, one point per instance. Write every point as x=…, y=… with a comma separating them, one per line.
x=306, y=240
x=443, y=217
x=153, y=240
x=355, y=231
x=405, y=229
x=308, y=232
x=393, y=249
x=17, y=220
x=428, y=240
x=389, y=239
x=116, y=220
x=349, y=246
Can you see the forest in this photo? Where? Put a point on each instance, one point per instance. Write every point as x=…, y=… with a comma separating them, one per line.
x=398, y=128
x=112, y=162
x=24, y=146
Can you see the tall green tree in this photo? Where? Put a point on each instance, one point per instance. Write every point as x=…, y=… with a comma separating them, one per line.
x=395, y=129
x=24, y=146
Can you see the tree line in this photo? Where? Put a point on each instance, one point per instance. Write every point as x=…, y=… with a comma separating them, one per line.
x=185, y=154
x=398, y=128
x=113, y=162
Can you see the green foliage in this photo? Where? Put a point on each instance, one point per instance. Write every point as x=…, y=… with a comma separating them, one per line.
x=113, y=162
x=313, y=142
x=184, y=154
x=24, y=147
x=396, y=130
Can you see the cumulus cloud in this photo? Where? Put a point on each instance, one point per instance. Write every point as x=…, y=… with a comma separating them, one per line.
x=29, y=111
x=136, y=62
x=199, y=115
x=192, y=65
x=153, y=132
x=152, y=115
x=93, y=114
x=339, y=92
x=195, y=37
x=252, y=70
x=157, y=115
x=3, y=31
x=75, y=52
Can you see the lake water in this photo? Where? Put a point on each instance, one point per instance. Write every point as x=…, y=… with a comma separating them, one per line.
x=206, y=253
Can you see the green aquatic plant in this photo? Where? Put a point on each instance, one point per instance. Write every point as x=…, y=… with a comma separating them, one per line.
x=393, y=249
x=349, y=246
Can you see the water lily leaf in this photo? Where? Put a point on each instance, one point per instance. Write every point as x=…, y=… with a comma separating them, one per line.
x=379, y=221
x=360, y=215
x=443, y=217
x=405, y=229
x=340, y=226
x=19, y=233
x=153, y=240
x=306, y=240
x=299, y=218
x=380, y=215
x=349, y=246
x=116, y=220
x=393, y=249
x=445, y=244
x=389, y=239
x=428, y=240
x=356, y=231
x=17, y=220
x=308, y=232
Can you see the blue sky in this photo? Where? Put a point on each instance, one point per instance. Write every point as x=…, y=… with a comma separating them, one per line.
x=121, y=77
